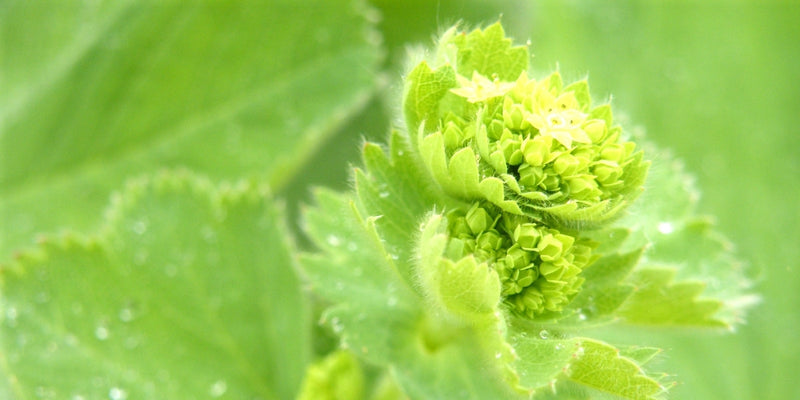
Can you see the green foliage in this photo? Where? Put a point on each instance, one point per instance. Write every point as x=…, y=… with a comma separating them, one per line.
x=434, y=241
x=135, y=87
x=177, y=296
x=480, y=253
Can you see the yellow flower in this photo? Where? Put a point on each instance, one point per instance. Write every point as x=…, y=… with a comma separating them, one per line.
x=480, y=88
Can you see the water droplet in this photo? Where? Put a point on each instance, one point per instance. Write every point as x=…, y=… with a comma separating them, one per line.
x=665, y=228
x=45, y=392
x=139, y=227
x=116, y=393
x=171, y=270
x=71, y=340
x=208, y=234
x=336, y=324
x=394, y=256
x=392, y=301
x=126, y=315
x=140, y=257
x=559, y=346
x=544, y=334
x=41, y=297
x=498, y=355
x=334, y=240
x=383, y=195
x=131, y=343
x=52, y=347
x=11, y=317
x=101, y=332
x=400, y=152
x=218, y=388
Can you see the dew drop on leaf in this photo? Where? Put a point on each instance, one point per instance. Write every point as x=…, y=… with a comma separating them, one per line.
x=139, y=227
x=116, y=393
x=544, y=334
x=126, y=315
x=140, y=257
x=334, y=240
x=218, y=388
x=665, y=228
x=11, y=317
x=383, y=195
x=71, y=340
x=498, y=355
x=336, y=324
x=171, y=270
x=101, y=332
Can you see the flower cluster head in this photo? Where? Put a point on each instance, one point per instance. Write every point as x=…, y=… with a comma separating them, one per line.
x=535, y=161
x=538, y=267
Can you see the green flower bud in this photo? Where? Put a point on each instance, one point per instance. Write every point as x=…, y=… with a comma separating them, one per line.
x=537, y=150
x=336, y=377
x=607, y=172
x=527, y=236
x=595, y=129
x=478, y=219
x=566, y=164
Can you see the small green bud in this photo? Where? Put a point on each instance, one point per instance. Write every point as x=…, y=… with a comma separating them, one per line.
x=453, y=137
x=478, y=219
x=527, y=236
x=607, y=172
x=583, y=187
x=537, y=150
x=550, y=247
x=336, y=377
x=514, y=115
x=566, y=164
x=517, y=258
x=595, y=129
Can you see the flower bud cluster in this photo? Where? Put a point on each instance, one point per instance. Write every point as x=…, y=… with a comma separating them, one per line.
x=554, y=155
x=539, y=267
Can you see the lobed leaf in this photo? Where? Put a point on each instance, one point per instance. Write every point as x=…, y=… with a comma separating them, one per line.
x=379, y=315
x=218, y=87
x=188, y=291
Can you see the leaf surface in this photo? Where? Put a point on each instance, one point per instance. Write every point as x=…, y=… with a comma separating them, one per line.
x=379, y=315
x=227, y=89
x=189, y=292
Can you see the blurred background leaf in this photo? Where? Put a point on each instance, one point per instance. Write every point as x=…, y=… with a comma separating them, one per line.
x=714, y=83
x=92, y=93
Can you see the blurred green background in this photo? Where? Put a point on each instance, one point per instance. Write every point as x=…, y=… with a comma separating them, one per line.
x=715, y=83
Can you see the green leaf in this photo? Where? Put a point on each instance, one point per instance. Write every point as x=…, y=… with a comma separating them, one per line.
x=581, y=367
x=189, y=291
x=425, y=88
x=379, y=315
x=228, y=89
x=490, y=53
x=689, y=276
x=658, y=300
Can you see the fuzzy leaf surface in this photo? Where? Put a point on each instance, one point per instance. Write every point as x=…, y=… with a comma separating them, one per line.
x=228, y=89
x=189, y=291
x=379, y=315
